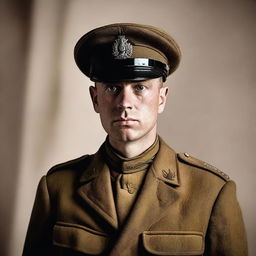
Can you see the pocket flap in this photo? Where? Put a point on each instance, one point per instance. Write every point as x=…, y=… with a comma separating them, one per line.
x=79, y=238
x=173, y=243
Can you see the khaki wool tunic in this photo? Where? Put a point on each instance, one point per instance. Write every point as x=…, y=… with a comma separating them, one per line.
x=184, y=206
x=127, y=175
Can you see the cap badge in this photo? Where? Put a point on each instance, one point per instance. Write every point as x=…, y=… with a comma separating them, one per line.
x=121, y=49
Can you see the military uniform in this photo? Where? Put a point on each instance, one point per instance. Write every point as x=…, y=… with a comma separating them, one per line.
x=184, y=207
x=157, y=203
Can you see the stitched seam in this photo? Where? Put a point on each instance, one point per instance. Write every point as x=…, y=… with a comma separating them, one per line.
x=213, y=206
x=100, y=207
x=152, y=48
x=197, y=234
x=72, y=225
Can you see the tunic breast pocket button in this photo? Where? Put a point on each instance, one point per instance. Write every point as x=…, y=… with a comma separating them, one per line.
x=130, y=188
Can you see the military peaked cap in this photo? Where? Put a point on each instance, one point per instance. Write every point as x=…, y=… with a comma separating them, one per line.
x=126, y=52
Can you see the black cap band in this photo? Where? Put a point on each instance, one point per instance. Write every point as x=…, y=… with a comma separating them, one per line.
x=131, y=69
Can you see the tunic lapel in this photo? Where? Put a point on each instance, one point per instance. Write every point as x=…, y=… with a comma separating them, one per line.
x=156, y=195
x=96, y=190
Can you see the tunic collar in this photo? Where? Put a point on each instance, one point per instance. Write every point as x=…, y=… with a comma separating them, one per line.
x=121, y=164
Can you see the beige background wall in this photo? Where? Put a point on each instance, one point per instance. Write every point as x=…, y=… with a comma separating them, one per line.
x=46, y=114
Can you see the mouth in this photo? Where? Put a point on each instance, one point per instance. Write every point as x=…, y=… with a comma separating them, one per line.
x=125, y=121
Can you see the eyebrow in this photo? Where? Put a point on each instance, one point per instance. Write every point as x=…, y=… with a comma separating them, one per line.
x=126, y=83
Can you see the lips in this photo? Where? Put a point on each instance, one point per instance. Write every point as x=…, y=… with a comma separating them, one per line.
x=125, y=121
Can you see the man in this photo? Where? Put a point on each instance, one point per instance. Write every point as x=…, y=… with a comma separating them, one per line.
x=135, y=196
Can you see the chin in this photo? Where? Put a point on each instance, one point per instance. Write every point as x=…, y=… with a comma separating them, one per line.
x=127, y=138
x=128, y=134
x=125, y=135
x=131, y=136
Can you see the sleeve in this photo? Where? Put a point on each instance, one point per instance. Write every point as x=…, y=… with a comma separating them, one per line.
x=226, y=235
x=39, y=233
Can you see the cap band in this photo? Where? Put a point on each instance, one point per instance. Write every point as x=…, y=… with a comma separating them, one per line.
x=132, y=69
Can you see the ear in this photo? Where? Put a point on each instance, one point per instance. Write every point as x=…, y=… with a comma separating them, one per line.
x=162, y=98
x=94, y=98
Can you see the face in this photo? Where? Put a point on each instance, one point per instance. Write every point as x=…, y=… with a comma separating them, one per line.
x=129, y=110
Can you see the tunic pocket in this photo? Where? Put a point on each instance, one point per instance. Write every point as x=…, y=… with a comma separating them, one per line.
x=79, y=238
x=173, y=242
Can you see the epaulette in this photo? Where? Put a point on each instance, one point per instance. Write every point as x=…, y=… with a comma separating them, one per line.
x=79, y=162
x=185, y=157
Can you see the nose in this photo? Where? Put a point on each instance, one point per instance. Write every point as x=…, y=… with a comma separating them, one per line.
x=125, y=99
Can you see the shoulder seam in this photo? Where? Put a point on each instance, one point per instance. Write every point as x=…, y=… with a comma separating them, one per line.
x=68, y=163
x=185, y=157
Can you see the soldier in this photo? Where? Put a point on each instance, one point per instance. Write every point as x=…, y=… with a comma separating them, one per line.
x=136, y=195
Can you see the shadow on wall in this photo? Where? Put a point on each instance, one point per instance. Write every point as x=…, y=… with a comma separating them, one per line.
x=14, y=25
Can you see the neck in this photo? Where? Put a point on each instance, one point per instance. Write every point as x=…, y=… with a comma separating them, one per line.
x=133, y=148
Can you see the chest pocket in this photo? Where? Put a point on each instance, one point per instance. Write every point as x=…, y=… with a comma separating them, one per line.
x=173, y=243
x=79, y=238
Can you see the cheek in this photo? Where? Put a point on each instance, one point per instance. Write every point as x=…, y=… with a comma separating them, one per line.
x=103, y=103
x=152, y=104
x=149, y=112
x=105, y=110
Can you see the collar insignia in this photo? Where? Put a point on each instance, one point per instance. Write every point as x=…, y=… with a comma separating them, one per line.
x=121, y=49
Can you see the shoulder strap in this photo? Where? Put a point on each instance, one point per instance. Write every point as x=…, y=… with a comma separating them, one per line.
x=185, y=157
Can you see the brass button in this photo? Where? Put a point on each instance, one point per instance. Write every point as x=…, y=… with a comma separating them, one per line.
x=130, y=188
x=186, y=155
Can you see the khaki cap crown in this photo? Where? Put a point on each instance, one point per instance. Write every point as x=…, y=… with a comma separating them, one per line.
x=148, y=52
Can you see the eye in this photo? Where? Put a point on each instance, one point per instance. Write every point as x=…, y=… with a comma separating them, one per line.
x=112, y=88
x=139, y=87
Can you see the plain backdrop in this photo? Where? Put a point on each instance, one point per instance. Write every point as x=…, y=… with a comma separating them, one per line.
x=45, y=111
